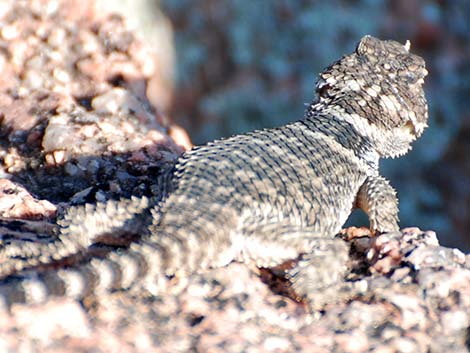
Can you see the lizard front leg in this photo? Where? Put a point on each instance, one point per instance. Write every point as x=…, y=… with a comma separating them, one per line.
x=319, y=274
x=377, y=198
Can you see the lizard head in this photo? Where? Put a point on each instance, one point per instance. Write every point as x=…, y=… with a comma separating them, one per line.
x=380, y=88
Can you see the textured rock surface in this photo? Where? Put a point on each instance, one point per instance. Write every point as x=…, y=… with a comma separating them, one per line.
x=410, y=294
x=73, y=106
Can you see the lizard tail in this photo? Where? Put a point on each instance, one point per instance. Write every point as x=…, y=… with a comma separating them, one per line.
x=81, y=227
x=84, y=225
x=115, y=271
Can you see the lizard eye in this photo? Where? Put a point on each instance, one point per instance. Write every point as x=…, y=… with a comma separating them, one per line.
x=410, y=76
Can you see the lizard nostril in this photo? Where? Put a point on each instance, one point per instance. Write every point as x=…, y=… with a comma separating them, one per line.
x=324, y=91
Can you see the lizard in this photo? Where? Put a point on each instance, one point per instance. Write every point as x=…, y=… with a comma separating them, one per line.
x=264, y=197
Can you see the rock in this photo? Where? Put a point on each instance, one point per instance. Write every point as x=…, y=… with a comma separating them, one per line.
x=77, y=130
x=73, y=103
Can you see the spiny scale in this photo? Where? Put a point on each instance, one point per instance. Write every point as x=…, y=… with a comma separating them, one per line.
x=263, y=197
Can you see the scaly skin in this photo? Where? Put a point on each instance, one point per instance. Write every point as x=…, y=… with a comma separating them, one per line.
x=263, y=197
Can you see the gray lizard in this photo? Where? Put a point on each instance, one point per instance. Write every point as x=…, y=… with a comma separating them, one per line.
x=264, y=197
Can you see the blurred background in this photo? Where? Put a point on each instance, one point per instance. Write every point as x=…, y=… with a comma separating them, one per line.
x=226, y=67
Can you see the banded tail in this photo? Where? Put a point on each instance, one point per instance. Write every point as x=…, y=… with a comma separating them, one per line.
x=81, y=227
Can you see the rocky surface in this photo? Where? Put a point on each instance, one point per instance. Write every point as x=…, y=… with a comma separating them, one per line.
x=76, y=126
x=409, y=295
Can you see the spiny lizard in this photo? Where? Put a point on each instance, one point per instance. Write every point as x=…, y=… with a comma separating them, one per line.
x=263, y=197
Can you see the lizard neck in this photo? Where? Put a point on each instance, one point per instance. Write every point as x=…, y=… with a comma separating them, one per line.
x=342, y=129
